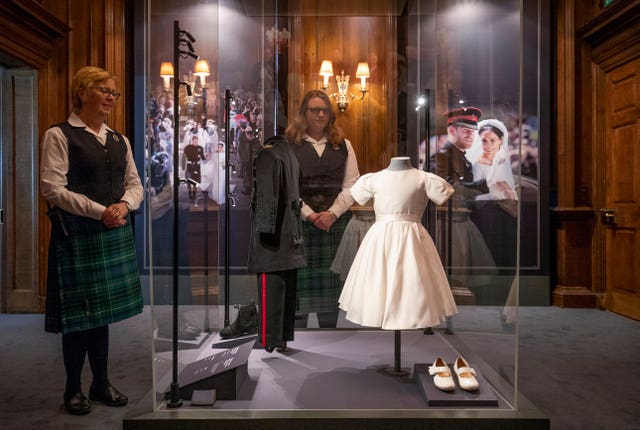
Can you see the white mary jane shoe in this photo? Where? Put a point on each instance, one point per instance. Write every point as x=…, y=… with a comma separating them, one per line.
x=466, y=375
x=442, y=377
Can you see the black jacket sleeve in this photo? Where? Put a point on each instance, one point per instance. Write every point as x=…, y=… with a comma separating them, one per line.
x=267, y=189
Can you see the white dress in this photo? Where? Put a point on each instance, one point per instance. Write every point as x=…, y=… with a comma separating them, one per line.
x=397, y=281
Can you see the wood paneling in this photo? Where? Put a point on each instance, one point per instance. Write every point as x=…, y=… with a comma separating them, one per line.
x=370, y=124
x=621, y=159
x=56, y=37
x=589, y=41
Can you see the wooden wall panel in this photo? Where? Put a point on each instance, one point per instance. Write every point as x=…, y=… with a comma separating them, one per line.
x=370, y=124
x=588, y=39
x=56, y=37
x=98, y=38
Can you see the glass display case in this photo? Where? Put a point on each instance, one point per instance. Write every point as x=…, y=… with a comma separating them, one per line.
x=405, y=79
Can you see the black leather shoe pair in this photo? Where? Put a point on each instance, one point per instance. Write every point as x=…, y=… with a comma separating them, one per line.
x=77, y=404
x=108, y=395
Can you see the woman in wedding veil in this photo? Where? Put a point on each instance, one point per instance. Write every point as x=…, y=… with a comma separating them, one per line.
x=490, y=158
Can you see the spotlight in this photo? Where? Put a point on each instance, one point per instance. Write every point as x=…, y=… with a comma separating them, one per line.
x=189, y=36
x=189, y=45
x=185, y=54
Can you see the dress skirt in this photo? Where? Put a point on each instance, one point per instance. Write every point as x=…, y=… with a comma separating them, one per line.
x=414, y=291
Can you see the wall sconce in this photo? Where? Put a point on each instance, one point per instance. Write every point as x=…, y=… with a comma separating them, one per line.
x=201, y=70
x=343, y=97
x=166, y=72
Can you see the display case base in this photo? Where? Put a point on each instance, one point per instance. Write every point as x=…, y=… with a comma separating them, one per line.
x=526, y=418
x=459, y=398
x=336, y=379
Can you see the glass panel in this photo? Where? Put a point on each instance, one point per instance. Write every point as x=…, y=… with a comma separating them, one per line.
x=454, y=54
x=185, y=146
x=467, y=75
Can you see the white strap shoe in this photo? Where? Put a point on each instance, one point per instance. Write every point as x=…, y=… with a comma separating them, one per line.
x=442, y=377
x=466, y=375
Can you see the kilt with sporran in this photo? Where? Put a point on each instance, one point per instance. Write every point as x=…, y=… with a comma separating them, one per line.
x=318, y=287
x=92, y=278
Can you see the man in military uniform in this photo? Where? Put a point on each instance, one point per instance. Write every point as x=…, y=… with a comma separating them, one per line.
x=192, y=155
x=465, y=247
x=450, y=162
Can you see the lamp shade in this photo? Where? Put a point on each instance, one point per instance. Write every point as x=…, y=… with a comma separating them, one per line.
x=202, y=68
x=326, y=69
x=166, y=69
x=363, y=70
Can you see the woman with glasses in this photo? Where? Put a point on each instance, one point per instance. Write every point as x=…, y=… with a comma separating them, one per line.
x=91, y=184
x=329, y=168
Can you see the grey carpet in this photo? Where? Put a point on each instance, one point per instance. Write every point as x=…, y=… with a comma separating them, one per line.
x=579, y=367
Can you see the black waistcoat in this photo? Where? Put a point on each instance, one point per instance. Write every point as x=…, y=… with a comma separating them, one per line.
x=322, y=176
x=95, y=170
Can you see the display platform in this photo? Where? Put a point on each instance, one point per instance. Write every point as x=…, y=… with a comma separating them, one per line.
x=219, y=343
x=483, y=397
x=337, y=379
x=223, y=372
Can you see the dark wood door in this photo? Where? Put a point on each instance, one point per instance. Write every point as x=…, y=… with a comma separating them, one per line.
x=622, y=189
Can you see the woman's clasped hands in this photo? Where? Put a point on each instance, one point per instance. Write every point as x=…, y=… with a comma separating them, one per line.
x=115, y=215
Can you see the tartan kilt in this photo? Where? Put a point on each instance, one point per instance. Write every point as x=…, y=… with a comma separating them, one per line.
x=92, y=278
x=318, y=288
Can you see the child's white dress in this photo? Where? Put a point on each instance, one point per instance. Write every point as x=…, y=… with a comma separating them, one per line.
x=397, y=280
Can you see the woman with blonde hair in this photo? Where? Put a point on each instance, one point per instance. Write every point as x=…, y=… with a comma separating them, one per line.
x=91, y=184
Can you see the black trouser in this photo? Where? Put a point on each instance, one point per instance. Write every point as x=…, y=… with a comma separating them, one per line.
x=75, y=346
x=277, y=298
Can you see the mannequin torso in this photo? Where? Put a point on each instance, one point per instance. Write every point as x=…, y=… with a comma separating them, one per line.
x=400, y=163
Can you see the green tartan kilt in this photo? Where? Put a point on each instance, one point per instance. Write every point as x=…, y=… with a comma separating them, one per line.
x=318, y=288
x=92, y=278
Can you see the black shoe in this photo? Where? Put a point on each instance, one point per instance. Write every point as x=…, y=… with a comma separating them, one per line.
x=77, y=404
x=109, y=396
x=283, y=347
x=246, y=323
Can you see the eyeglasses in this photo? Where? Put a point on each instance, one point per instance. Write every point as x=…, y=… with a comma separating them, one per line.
x=316, y=111
x=108, y=91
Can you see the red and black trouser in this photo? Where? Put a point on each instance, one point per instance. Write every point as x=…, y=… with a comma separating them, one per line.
x=277, y=298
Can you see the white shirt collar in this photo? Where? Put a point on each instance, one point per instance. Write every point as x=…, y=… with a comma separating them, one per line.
x=75, y=121
x=315, y=142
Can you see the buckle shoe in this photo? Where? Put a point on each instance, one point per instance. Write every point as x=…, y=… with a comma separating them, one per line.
x=442, y=377
x=465, y=374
